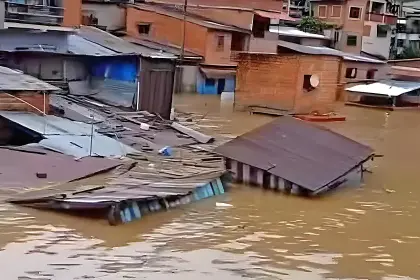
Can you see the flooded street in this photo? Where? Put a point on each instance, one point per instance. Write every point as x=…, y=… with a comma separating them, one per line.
x=369, y=232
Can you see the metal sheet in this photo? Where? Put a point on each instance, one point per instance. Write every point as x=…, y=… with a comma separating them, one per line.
x=80, y=46
x=12, y=80
x=326, y=51
x=119, y=45
x=302, y=153
x=18, y=168
x=69, y=137
x=389, y=88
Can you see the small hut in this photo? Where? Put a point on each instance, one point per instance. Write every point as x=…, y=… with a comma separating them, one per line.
x=294, y=156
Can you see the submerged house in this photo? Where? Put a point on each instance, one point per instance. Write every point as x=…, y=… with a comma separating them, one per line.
x=388, y=93
x=297, y=78
x=296, y=157
x=95, y=63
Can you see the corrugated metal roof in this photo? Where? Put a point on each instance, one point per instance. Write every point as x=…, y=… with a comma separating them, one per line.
x=327, y=51
x=12, y=80
x=305, y=154
x=80, y=46
x=69, y=137
x=152, y=43
x=386, y=88
x=214, y=73
x=18, y=168
x=294, y=32
x=119, y=45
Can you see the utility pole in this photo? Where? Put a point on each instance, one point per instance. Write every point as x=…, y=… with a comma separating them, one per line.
x=181, y=57
x=182, y=53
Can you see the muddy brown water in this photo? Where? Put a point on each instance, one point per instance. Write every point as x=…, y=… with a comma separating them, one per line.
x=367, y=232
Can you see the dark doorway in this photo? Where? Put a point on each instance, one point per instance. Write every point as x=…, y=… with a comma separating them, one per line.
x=221, y=86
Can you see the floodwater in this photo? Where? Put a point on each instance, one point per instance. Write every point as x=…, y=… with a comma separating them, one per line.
x=369, y=232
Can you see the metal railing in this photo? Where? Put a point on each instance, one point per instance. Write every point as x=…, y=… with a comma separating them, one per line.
x=33, y=11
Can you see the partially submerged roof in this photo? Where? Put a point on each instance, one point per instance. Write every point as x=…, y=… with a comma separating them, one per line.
x=176, y=13
x=19, y=167
x=294, y=32
x=389, y=88
x=119, y=45
x=69, y=137
x=304, y=154
x=13, y=80
x=327, y=51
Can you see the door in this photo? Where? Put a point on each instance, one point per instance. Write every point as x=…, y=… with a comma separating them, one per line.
x=221, y=86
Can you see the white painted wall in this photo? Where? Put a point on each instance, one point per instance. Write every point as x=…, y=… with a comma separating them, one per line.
x=376, y=45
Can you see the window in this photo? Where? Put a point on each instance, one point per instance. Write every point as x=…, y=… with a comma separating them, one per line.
x=355, y=13
x=322, y=11
x=210, y=82
x=143, y=28
x=371, y=74
x=401, y=28
x=351, y=73
x=381, y=30
x=336, y=36
x=351, y=40
x=400, y=43
x=336, y=12
x=220, y=43
x=366, y=30
x=307, y=83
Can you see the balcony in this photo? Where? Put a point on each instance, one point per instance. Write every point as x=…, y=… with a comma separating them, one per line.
x=381, y=18
x=33, y=12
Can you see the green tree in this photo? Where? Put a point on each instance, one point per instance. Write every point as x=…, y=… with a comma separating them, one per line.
x=313, y=25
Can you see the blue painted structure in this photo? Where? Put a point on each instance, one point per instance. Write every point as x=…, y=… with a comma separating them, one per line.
x=115, y=68
x=215, y=86
x=135, y=210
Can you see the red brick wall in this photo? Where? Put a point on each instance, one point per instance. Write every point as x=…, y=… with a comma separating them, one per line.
x=238, y=18
x=8, y=103
x=277, y=81
x=168, y=29
x=72, y=13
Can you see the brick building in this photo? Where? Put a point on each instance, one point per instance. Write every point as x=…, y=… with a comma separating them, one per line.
x=360, y=25
x=286, y=80
x=214, y=41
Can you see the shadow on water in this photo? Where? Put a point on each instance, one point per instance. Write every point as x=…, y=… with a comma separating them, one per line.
x=363, y=232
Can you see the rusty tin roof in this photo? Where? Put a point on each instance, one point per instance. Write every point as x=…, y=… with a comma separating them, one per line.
x=305, y=154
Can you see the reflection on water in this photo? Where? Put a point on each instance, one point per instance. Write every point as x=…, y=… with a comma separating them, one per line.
x=355, y=233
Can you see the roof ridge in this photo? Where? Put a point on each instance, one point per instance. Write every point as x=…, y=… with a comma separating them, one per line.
x=172, y=9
